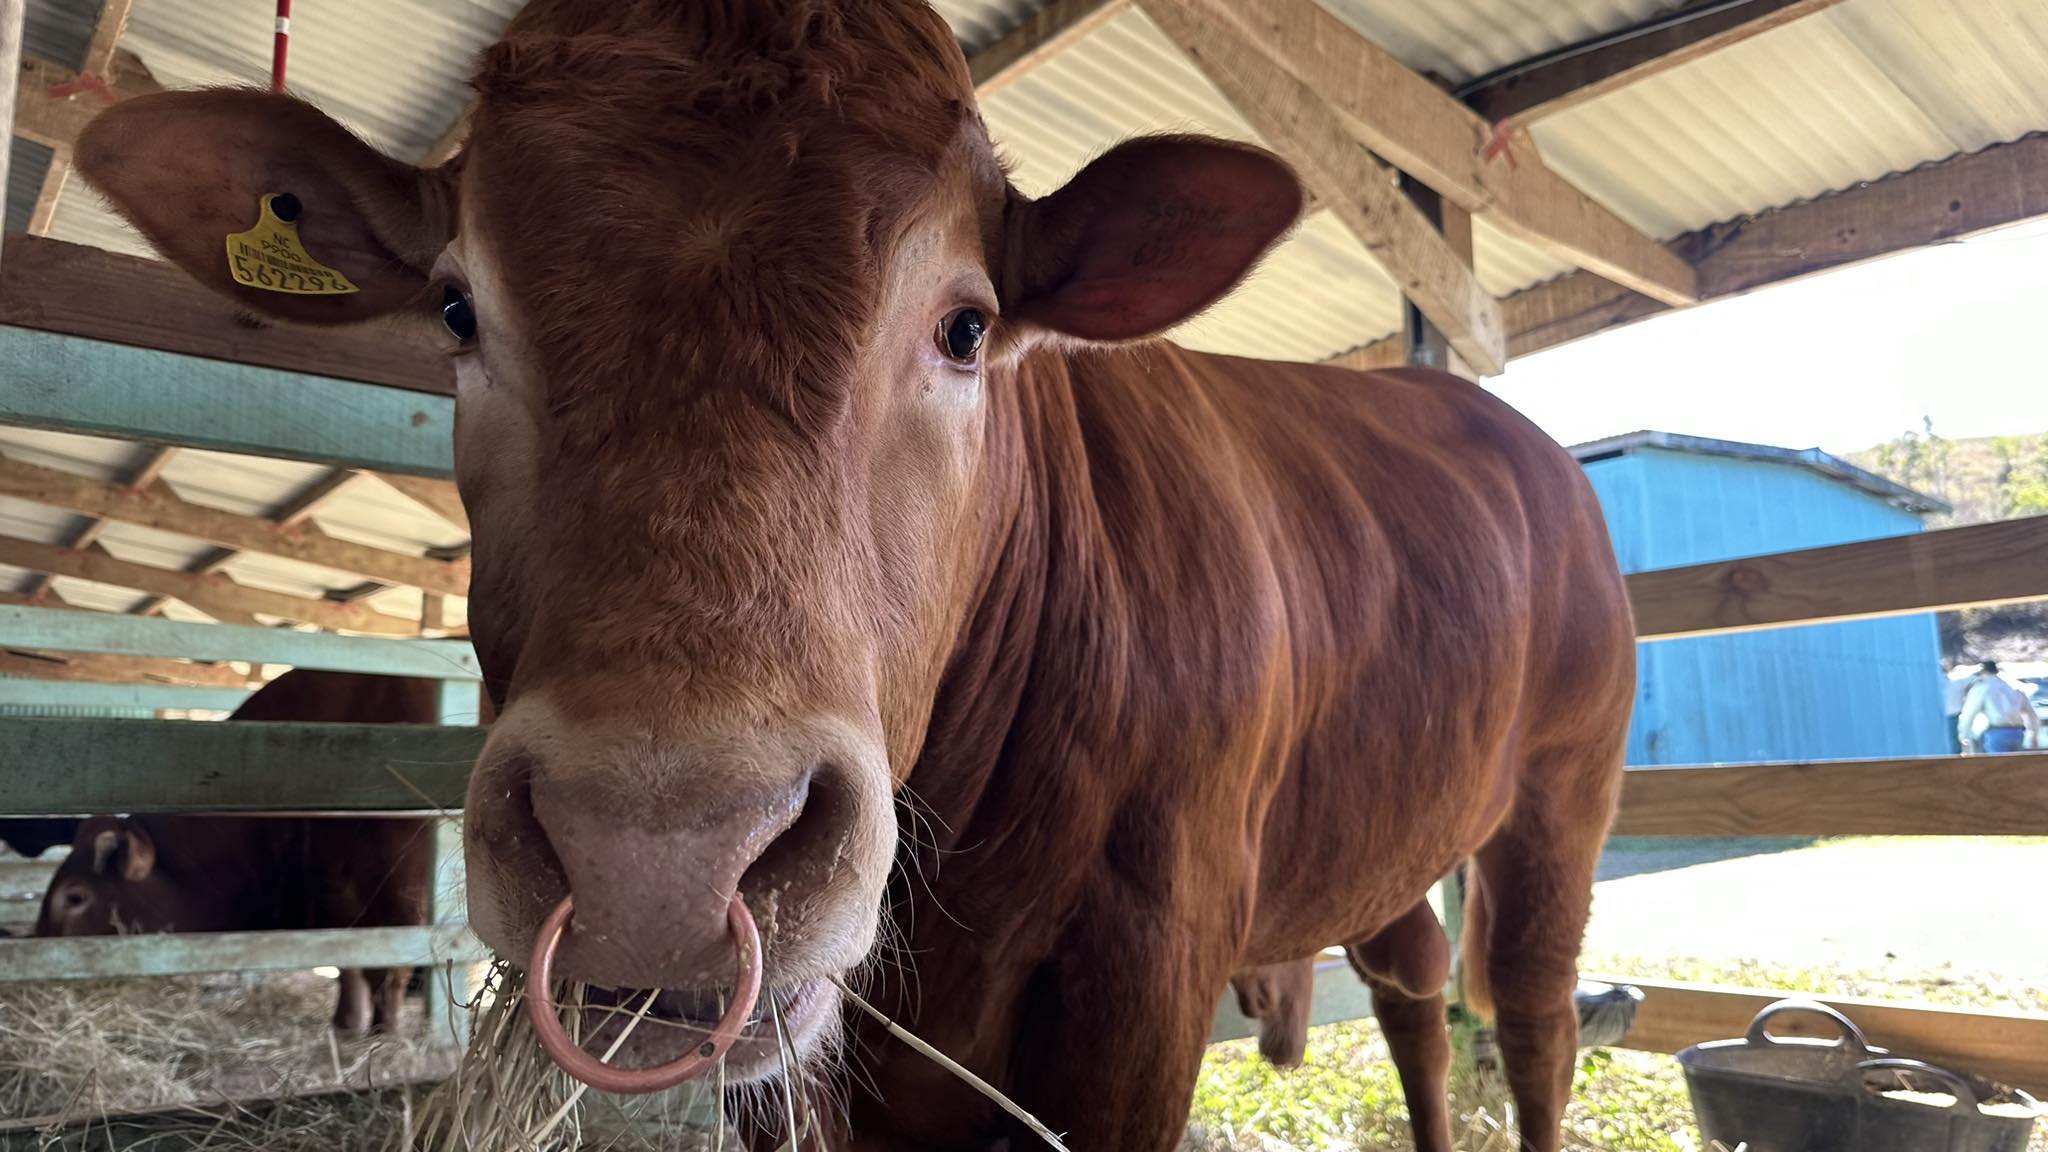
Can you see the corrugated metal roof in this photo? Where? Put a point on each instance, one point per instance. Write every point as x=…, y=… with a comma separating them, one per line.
x=27, y=161
x=1866, y=88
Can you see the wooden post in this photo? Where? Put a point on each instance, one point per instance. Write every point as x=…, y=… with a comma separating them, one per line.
x=11, y=12
x=450, y=988
x=1426, y=345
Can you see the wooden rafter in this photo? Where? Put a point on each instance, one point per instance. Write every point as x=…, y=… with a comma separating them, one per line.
x=1933, y=204
x=53, y=104
x=1523, y=93
x=150, y=471
x=78, y=290
x=164, y=511
x=213, y=595
x=99, y=64
x=1420, y=129
x=1359, y=188
x=93, y=668
x=437, y=496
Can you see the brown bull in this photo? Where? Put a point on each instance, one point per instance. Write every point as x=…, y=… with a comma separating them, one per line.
x=816, y=470
x=217, y=873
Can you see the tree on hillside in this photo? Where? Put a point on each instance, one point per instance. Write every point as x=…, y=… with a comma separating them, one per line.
x=1999, y=478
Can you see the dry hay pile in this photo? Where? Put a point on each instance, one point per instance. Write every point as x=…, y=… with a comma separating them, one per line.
x=74, y=1052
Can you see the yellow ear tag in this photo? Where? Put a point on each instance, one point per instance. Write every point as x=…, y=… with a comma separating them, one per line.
x=269, y=256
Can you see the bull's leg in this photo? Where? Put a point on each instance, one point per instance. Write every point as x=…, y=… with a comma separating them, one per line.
x=1115, y=1024
x=388, y=987
x=1535, y=892
x=1406, y=966
x=352, y=1003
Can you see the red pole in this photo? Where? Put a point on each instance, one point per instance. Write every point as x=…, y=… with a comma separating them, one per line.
x=284, y=31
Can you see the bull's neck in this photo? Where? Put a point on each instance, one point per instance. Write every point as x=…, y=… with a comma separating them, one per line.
x=1026, y=645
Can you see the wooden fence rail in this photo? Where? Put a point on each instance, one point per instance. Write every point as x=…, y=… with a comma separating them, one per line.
x=187, y=953
x=1933, y=796
x=2000, y=563
x=61, y=630
x=81, y=767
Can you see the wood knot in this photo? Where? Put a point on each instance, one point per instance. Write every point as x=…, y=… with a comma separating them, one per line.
x=1748, y=580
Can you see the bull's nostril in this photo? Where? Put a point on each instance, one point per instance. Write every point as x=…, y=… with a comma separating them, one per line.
x=807, y=852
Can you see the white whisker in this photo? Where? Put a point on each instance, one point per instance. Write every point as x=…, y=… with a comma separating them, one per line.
x=953, y=1066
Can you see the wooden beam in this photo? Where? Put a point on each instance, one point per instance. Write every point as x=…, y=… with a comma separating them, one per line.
x=86, y=694
x=181, y=954
x=214, y=595
x=1423, y=131
x=1523, y=93
x=1349, y=181
x=84, y=667
x=12, y=17
x=1927, y=796
x=1936, y=203
x=99, y=63
x=2009, y=1047
x=152, y=468
x=73, y=767
x=437, y=496
x=1042, y=35
x=62, y=630
x=301, y=507
x=165, y=511
x=2000, y=563
x=99, y=389
x=79, y=290
x=53, y=103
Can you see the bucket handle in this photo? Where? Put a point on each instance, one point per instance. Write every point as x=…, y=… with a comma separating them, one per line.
x=1966, y=1096
x=1852, y=1036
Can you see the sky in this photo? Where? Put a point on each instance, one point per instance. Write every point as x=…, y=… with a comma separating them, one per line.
x=1840, y=361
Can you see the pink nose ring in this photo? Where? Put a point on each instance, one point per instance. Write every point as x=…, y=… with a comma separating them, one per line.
x=547, y=1023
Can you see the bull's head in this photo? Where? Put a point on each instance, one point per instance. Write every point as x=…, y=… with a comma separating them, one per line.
x=110, y=884
x=737, y=296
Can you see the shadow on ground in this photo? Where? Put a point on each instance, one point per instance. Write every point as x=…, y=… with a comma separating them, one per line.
x=1637, y=855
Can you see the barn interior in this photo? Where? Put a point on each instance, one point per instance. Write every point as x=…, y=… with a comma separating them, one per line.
x=192, y=500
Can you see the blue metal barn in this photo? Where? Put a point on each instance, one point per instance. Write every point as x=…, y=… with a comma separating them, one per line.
x=1862, y=688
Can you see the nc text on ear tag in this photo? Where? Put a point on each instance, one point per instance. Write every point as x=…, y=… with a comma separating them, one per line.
x=270, y=258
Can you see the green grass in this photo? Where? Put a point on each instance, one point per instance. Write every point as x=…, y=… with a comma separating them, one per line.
x=1346, y=1096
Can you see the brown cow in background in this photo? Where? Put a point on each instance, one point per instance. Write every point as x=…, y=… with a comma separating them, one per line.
x=814, y=466
x=220, y=873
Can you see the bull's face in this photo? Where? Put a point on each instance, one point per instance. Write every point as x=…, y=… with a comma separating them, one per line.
x=734, y=294
x=110, y=884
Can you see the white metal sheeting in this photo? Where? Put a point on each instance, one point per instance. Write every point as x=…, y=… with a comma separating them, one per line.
x=1866, y=88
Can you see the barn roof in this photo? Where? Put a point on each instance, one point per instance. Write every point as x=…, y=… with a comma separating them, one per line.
x=1716, y=145
x=1812, y=459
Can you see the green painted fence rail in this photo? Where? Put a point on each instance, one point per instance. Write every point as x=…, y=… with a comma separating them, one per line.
x=60, y=630
x=188, y=953
x=71, y=384
x=65, y=767
x=17, y=693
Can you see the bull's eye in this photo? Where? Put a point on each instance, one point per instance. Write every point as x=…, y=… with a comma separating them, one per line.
x=962, y=332
x=457, y=314
x=74, y=899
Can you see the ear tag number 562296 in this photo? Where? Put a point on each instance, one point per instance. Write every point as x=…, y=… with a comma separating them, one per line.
x=270, y=258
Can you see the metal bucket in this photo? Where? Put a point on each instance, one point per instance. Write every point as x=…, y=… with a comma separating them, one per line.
x=1804, y=1095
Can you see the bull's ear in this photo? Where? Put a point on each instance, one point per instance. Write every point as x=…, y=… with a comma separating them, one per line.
x=106, y=845
x=189, y=169
x=138, y=854
x=1148, y=235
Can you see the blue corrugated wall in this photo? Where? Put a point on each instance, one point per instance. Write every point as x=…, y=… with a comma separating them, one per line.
x=1863, y=688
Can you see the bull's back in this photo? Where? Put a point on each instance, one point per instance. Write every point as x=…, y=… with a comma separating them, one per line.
x=1451, y=600
x=316, y=872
